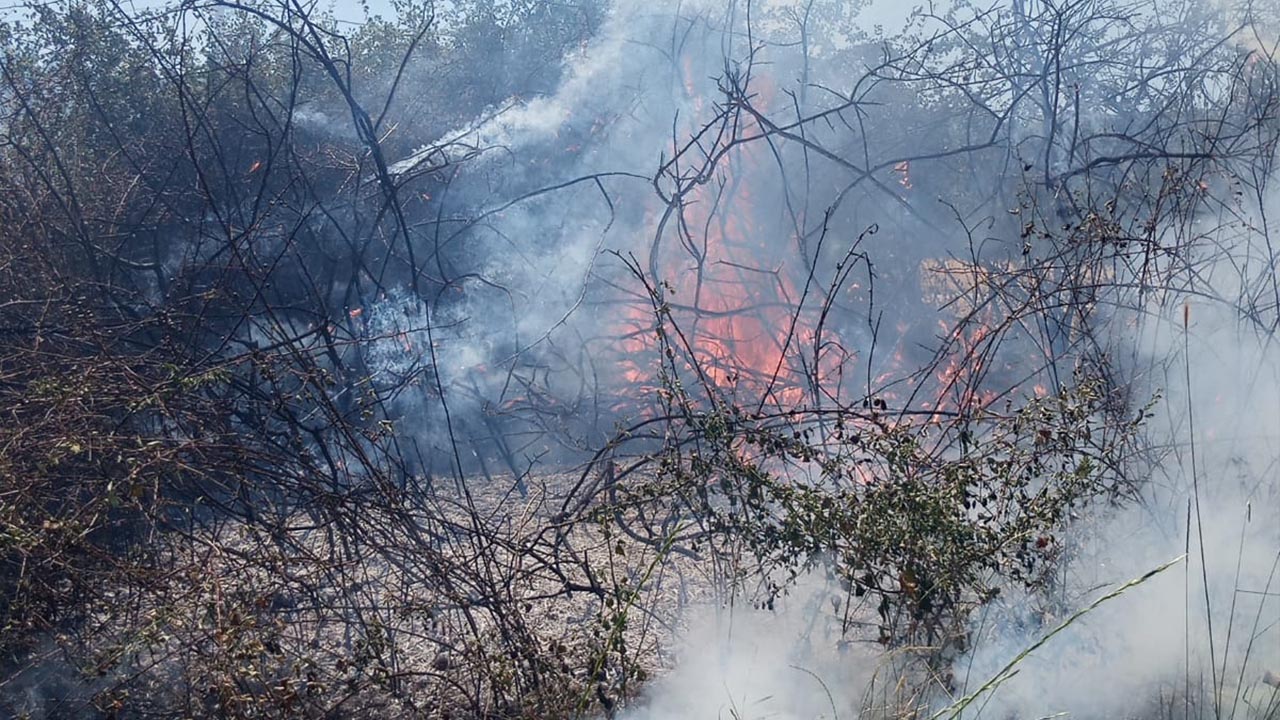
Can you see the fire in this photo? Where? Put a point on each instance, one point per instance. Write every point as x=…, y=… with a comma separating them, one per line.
x=969, y=330
x=732, y=284
x=959, y=379
x=737, y=320
x=734, y=301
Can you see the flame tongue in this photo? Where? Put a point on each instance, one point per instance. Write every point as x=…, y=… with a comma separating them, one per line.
x=735, y=302
x=733, y=279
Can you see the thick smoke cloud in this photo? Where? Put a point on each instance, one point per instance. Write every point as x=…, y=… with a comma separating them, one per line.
x=1147, y=653
x=541, y=301
x=538, y=301
x=559, y=189
x=525, y=217
x=626, y=98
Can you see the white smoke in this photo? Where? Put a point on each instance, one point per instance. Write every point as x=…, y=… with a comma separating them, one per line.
x=1151, y=646
x=788, y=662
x=1147, y=649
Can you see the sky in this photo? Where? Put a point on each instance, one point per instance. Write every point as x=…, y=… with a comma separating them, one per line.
x=889, y=13
x=350, y=11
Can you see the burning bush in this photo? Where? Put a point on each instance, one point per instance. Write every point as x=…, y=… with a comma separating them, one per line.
x=921, y=516
x=433, y=369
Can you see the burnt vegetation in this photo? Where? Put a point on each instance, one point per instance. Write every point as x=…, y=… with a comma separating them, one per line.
x=291, y=427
